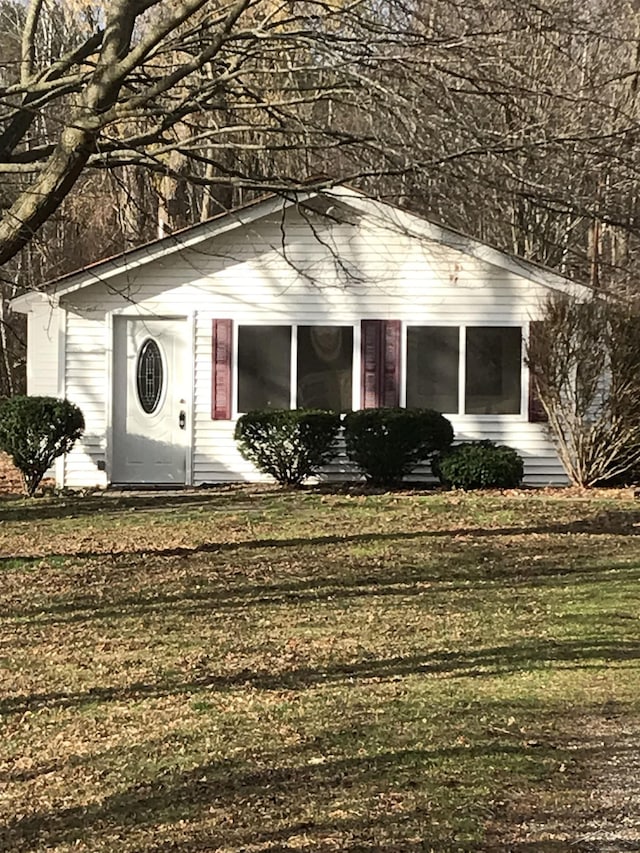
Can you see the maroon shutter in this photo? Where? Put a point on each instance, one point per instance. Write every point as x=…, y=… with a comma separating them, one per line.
x=371, y=363
x=391, y=363
x=537, y=414
x=221, y=354
x=380, y=363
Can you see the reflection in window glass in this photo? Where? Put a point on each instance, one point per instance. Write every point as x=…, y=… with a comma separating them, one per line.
x=264, y=367
x=433, y=368
x=493, y=363
x=325, y=367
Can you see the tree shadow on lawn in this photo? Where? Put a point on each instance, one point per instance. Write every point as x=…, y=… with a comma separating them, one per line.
x=476, y=663
x=618, y=523
x=359, y=844
x=273, y=800
x=285, y=784
x=19, y=508
x=569, y=845
x=424, y=845
x=466, y=573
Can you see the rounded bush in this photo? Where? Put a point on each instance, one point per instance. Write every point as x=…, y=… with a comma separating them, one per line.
x=479, y=465
x=34, y=431
x=387, y=444
x=288, y=444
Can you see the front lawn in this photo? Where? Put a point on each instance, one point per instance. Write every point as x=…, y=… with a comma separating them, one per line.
x=257, y=670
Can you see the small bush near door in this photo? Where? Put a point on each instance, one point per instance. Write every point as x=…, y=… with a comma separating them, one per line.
x=34, y=431
x=288, y=444
x=479, y=465
x=387, y=444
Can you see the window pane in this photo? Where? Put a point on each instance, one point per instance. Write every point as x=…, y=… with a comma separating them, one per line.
x=264, y=367
x=325, y=367
x=493, y=371
x=432, y=368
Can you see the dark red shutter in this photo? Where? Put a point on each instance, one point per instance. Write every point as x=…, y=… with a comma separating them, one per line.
x=537, y=414
x=391, y=363
x=380, y=357
x=370, y=353
x=222, y=353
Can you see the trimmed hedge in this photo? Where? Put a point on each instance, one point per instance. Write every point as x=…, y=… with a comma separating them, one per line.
x=387, y=444
x=479, y=465
x=34, y=431
x=288, y=444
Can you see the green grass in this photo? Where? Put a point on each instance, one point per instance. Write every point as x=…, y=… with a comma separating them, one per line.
x=257, y=670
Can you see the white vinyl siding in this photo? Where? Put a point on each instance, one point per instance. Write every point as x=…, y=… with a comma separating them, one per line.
x=249, y=276
x=86, y=386
x=45, y=331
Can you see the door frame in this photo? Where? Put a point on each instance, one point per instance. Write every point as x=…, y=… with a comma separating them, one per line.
x=130, y=313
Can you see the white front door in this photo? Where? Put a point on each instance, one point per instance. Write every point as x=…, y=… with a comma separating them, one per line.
x=150, y=393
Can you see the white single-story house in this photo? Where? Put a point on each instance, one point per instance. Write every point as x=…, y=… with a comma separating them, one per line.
x=326, y=299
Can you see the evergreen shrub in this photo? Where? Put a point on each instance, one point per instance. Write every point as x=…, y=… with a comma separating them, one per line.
x=479, y=465
x=34, y=431
x=386, y=444
x=288, y=444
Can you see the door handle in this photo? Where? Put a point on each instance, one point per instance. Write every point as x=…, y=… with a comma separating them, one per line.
x=182, y=419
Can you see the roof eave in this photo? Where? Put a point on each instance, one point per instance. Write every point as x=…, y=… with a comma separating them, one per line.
x=26, y=302
x=166, y=246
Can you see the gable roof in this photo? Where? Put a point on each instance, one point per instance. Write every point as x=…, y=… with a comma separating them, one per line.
x=383, y=213
x=392, y=216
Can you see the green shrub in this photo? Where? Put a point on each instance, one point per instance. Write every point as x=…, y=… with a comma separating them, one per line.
x=288, y=444
x=479, y=465
x=34, y=431
x=387, y=444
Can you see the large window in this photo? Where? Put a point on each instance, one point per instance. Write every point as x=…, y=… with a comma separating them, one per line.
x=325, y=367
x=493, y=371
x=489, y=375
x=312, y=367
x=264, y=367
x=433, y=368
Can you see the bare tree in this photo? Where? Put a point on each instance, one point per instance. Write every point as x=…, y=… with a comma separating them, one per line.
x=438, y=96
x=585, y=362
x=153, y=83
x=515, y=122
x=554, y=87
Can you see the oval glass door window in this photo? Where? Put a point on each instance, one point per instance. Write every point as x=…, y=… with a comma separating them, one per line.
x=149, y=376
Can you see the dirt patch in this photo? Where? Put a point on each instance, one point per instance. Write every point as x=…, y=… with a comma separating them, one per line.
x=599, y=809
x=613, y=824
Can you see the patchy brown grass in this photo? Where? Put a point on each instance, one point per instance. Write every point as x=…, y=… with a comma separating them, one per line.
x=259, y=670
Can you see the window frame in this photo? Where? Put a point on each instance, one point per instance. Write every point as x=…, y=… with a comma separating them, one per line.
x=521, y=417
x=293, y=359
